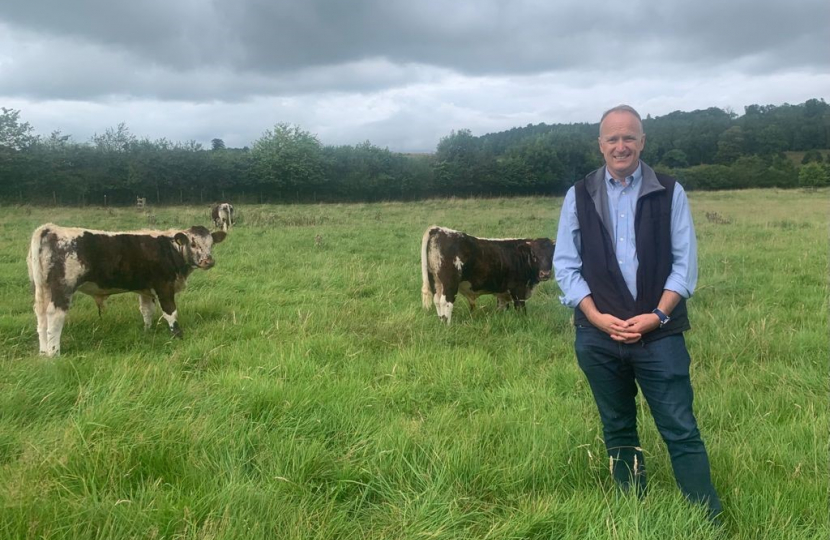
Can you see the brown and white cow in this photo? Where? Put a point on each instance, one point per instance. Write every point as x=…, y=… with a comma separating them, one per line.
x=154, y=264
x=453, y=262
x=222, y=216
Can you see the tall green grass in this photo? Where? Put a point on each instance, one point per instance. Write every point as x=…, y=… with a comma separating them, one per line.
x=312, y=397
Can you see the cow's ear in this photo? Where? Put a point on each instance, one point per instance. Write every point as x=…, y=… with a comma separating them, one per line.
x=181, y=239
x=218, y=236
x=524, y=248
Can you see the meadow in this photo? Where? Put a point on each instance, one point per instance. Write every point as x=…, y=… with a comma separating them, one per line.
x=313, y=397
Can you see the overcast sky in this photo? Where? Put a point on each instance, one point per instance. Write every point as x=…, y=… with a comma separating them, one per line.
x=399, y=73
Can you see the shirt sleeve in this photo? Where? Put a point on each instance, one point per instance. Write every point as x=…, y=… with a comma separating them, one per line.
x=567, y=257
x=683, y=276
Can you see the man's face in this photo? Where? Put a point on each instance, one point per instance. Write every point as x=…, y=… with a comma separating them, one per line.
x=621, y=139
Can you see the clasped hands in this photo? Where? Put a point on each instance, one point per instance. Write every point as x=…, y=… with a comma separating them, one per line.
x=628, y=331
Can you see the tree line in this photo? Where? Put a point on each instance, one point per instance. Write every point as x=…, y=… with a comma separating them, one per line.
x=704, y=149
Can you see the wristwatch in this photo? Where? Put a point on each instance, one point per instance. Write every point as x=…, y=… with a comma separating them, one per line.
x=664, y=319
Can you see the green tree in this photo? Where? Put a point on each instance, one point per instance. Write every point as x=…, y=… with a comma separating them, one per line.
x=288, y=161
x=813, y=175
x=749, y=172
x=15, y=135
x=114, y=140
x=675, y=159
x=18, y=169
x=707, y=177
x=730, y=145
x=771, y=140
x=531, y=166
x=782, y=172
x=459, y=163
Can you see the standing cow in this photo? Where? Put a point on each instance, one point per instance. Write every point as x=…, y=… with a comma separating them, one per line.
x=453, y=262
x=154, y=264
x=222, y=215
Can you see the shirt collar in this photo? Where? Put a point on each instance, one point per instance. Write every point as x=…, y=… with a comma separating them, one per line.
x=631, y=180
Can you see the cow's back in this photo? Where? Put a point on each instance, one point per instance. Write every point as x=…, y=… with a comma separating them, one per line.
x=128, y=261
x=487, y=264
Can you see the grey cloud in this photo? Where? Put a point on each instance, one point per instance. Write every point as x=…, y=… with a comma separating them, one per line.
x=396, y=72
x=273, y=38
x=413, y=119
x=66, y=69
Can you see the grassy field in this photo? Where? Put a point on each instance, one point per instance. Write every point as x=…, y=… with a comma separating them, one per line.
x=312, y=397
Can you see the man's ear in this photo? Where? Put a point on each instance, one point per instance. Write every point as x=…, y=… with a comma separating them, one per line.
x=181, y=239
x=218, y=236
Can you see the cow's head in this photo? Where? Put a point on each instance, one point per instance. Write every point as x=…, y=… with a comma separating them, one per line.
x=196, y=243
x=539, y=254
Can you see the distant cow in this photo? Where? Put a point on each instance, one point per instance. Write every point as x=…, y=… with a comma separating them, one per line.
x=222, y=215
x=453, y=262
x=154, y=264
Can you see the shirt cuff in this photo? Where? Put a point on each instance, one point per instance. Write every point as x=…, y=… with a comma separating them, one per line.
x=677, y=286
x=575, y=295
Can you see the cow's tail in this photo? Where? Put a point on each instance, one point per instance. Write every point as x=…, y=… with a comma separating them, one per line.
x=426, y=293
x=37, y=274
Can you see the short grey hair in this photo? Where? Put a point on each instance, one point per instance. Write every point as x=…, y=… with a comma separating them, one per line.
x=622, y=108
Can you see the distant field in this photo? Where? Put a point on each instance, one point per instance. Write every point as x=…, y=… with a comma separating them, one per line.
x=796, y=157
x=312, y=397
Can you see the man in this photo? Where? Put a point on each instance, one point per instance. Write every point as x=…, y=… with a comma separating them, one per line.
x=626, y=261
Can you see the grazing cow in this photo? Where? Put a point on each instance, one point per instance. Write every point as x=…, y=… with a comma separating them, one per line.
x=222, y=215
x=154, y=264
x=453, y=262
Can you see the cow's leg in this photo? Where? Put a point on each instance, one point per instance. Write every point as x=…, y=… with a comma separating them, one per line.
x=442, y=305
x=445, y=291
x=518, y=295
x=167, y=301
x=55, y=317
x=472, y=301
x=60, y=298
x=465, y=290
x=445, y=306
x=99, y=301
x=41, y=303
x=503, y=301
x=147, y=305
x=436, y=298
